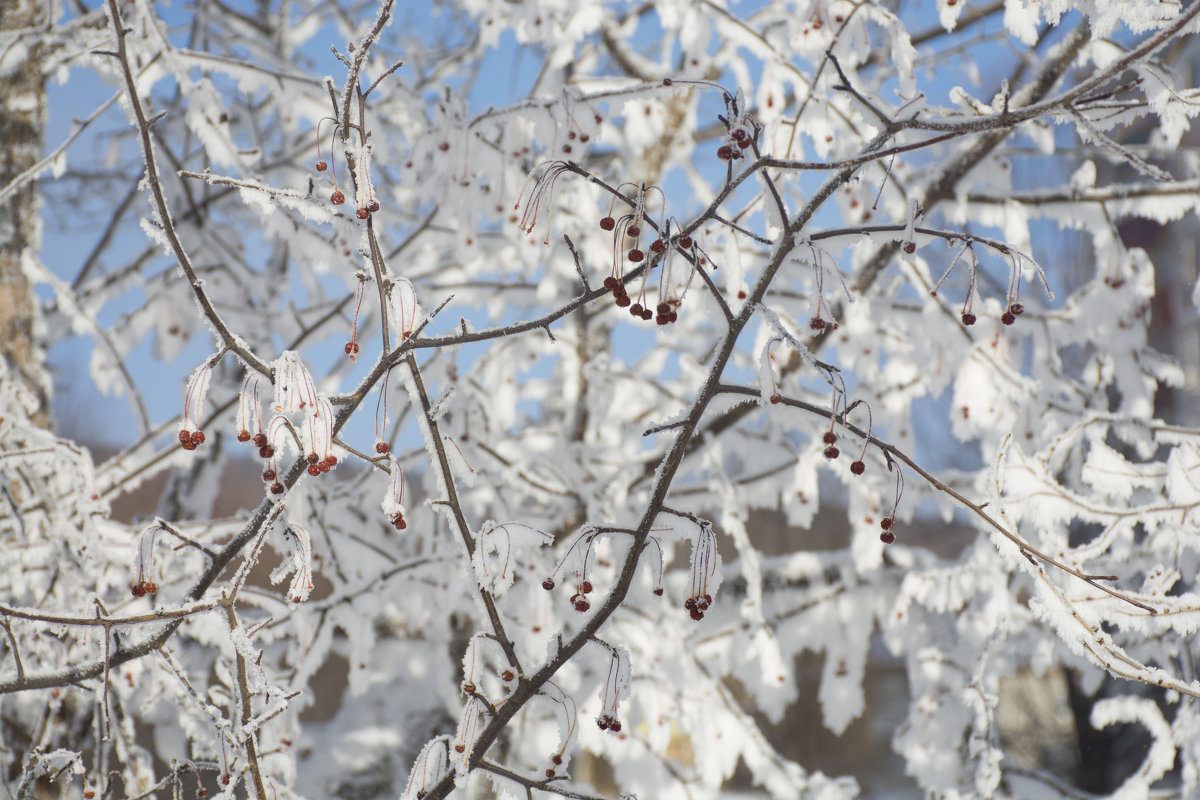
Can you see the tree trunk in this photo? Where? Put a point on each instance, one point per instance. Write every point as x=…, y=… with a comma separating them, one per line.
x=22, y=117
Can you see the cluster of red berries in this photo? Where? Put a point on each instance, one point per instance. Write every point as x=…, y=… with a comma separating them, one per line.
x=1008, y=317
x=607, y=722
x=733, y=151
x=557, y=760
x=887, y=523
x=318, y=465
x=579, y=599
x=696, y=606
x=857, y=467
x=190, y=440
x=143, y=588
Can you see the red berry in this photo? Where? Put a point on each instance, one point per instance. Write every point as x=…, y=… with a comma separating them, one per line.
x=373, y=207
x=313, y=458
x=137, y=590
x=381, y=448
x=685, y=241
x=1016, y=309
x=968, y=318
x=185, y=437
x=557, y=759
x=260, y=440
x=657, y=246
x=910, y=247
x=608, y=223
x=832, y=452
x=636, y=255
x=468, y=687
x=266, y=451
x=549, y=773
x=858, y=467
x=444, y=146
x=887, y=537
x=672, y=317
x=658, y=591
x=276, y=488
x=886, y=523
x=150, y=587
x=611, y=283
x=351, y=348
x=337, y=198
x=1007, y=318
x=816, y=323
x=243, y=436
x=187, y=445
x=362, y=213
x=647, y=313
x=636, y=309
x=633, y=231
x=198, y=438
x=602, y=722
x=507, y=677
x=690, y=603
x=398, y=521
x=725, y=152
x=697, y=614
x=321, y=166
x=623, y=300
x=615, y=726
x=663, y=308
x=314, y=470
x=777, y=398
x=829, y=438
x=585, y=587
x=581, y=604
x=548, y=584
x=269, y=475
x=661, y=319
x=331, y=460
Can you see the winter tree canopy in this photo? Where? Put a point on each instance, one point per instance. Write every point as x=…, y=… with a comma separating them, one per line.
x=563, y=398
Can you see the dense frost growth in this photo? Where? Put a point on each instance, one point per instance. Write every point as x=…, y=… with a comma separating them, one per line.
x=600, y=399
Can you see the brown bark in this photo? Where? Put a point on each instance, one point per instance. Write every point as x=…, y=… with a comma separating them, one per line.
x=22, y=118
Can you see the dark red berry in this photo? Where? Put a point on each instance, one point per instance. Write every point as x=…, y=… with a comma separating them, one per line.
x=548, y=584
x=260, y=440
x=672, y=317
x=663, y=308
x=685, y=241
x=585, y=587
x=886, y=523
x=968, y=318
x=611, y=283
x=549, y=773
x=351, y=348
x=615, y=726
x=331, y=460
x=185, y=437
x=829, y=438
x=647, y=313
x=269, y=475
x=381, y=448
x=910, y=247
x=243, y=436
x=858, y=467
x=444, y=146
x=276, y=488
x=313, y=458
x=557, y=759
x=887, y=537
x=314, y=470
x=362, y=213
x=725, y=152
x=187, y=445
x=667, y=81
x=816, y=323
x=777, y=398
x=623, y=300
x=1016, y=309
x=661, y=319
x=1007, y=318
x=321, y=166
x=398, y=521
x=198, y=438
x=697, y=614
x=657, y=246
x=832, y=452
x=337, y=198
x=690, y=603
x=373, y=207
x=608, y=223
x=602, y=723
x=636, y=309
x=658, y=591
x=633, y=231
x=581, y=604
x=266, y=451
x=468, y=687
x=636, y=255
x=738, y=134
